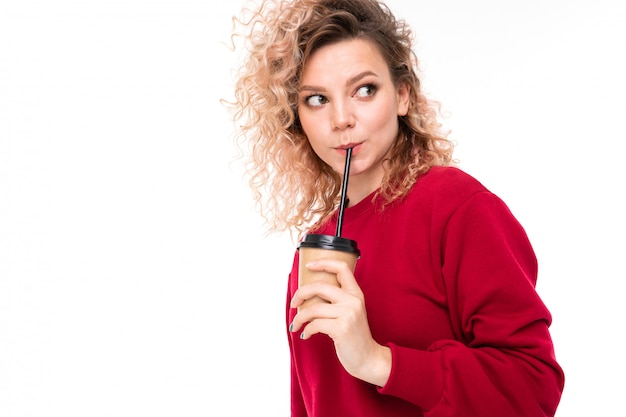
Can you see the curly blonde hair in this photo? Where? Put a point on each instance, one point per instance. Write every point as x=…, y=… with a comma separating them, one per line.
x=293, y=188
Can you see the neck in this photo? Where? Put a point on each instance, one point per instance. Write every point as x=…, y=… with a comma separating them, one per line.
x=356, y=192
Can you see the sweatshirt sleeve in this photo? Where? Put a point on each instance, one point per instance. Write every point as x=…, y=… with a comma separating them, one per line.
x=297, y=401
x=502, y=363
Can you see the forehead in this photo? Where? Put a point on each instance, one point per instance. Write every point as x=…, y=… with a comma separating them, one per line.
x=344, y=58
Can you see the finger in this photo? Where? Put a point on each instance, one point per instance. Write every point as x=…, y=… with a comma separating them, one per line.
x=312, y=312
x=324, y=290
x=344, y=273
x=316, y=326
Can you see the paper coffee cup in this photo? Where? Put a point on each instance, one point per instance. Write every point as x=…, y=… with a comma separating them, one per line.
x=318, y=246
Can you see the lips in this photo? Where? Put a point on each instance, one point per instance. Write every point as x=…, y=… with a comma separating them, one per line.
x=355, y=148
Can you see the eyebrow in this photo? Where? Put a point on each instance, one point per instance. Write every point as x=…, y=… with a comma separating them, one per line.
x=351, y=80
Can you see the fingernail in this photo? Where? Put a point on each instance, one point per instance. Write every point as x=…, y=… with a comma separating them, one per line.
x=291, y=327
x=302, y=335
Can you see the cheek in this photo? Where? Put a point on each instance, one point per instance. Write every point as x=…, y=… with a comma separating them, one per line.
x=311, y=126
x=384, y=117
x=306, y=124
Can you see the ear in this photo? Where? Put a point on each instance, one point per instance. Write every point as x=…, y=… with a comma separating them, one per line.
x=403, y=98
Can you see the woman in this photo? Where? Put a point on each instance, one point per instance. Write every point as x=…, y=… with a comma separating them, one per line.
x=441, y=316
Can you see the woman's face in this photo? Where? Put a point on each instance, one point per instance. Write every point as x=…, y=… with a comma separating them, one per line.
x=347, y=99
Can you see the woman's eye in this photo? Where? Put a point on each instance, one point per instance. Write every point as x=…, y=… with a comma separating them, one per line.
x=315, y=100
x=366, y=90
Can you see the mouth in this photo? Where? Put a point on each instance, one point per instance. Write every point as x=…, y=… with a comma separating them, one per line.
x=355, y=148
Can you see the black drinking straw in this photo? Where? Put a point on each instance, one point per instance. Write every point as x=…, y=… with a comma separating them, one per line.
x=344, y=188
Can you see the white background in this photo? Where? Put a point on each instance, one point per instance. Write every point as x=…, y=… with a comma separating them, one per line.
x=135, y=279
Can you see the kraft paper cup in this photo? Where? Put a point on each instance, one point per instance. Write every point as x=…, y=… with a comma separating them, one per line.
x=318, y=246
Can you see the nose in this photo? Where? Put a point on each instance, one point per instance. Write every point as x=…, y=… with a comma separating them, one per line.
x=342, y=117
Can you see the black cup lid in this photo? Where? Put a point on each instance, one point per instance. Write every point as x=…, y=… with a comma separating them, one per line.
x=330, y=242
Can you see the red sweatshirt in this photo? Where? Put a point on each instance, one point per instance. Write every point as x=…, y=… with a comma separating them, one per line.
x=449, y=280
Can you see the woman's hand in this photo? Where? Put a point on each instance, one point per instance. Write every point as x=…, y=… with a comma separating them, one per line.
x=344, y=320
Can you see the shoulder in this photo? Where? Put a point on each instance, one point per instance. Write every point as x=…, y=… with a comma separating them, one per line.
x=447, y=184
x=448, y=192
x=449, y=176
